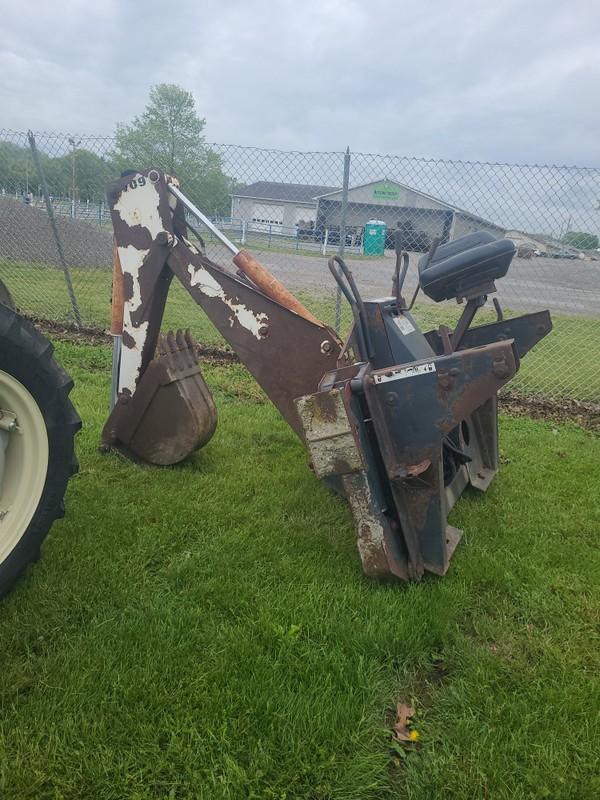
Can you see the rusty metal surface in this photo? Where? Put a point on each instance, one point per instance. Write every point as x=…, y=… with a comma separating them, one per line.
x=526, y=331
x=143, y=226
x=270, y=286
x=338, y=447
x=413, y=407
x=286, y=353
x=401, y=435
x=374, y=531
x=118, y=300
x=171, y=414
x=480, y=443
x=329, y=437
x=434, y=396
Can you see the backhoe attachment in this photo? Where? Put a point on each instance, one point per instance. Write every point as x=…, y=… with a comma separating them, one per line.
x=397, y=421
x=163, y=410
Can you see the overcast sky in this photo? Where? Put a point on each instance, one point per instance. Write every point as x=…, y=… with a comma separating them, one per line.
x=499, y=80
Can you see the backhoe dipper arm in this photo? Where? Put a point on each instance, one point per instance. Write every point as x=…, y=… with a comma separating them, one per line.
x=287, y=352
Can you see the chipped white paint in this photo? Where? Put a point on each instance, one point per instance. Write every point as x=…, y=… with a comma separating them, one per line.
x=171, y=181
x=190, y=245
x=323, y=426
x=131, y=261
x=131, y=357
x=370, y=535
x=139, y=206
x=210, y=287
x=329, y=438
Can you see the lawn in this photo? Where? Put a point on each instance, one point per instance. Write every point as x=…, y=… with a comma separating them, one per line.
x=205, y=631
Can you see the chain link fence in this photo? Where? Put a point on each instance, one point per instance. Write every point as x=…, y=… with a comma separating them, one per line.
x=295, y=209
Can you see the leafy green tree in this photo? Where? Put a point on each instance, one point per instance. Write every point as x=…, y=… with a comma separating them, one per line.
x=92, y=173
x=16, y=168
x=581, y=240
x=168, y=135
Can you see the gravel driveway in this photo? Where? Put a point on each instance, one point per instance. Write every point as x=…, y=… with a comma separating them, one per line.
x=569, y=287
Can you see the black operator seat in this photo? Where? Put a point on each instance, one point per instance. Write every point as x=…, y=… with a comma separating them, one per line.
x=462, y=266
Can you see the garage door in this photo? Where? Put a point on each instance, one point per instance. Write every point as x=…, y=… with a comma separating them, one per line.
x=304, y=216
x=267, y=216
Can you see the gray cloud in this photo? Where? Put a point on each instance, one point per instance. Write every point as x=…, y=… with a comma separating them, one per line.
x=514, y=81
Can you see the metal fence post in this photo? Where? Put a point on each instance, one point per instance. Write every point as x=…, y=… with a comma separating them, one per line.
x=50, y=210
x=342, y=245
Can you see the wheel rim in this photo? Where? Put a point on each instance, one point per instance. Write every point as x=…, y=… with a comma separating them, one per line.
x=25, y=463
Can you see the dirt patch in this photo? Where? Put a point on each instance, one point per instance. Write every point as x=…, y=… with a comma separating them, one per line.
x=217, y=355
x=560, y=410
x=67, y=332
x=26, y=236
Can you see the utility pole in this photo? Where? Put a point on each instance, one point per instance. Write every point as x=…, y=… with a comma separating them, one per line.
x=74, y=146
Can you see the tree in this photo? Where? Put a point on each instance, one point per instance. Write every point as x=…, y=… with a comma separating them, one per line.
x=18, y=173
x=581, y=240
x=168, y=135
x=16, y=168
x=92, y=175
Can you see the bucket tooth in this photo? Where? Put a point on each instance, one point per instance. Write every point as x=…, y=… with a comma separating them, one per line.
x=171, y=413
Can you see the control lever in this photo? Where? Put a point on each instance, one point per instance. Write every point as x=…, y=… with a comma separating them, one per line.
x=402, y=258
x=348, y=287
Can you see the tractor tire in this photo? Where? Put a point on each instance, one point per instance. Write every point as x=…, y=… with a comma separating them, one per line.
x=37, y=455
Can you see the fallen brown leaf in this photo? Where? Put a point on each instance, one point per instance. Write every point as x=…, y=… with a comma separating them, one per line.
x=403, y=715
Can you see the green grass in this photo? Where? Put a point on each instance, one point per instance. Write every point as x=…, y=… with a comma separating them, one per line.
x=562, y=365
x=40, y=291
x=205, y=631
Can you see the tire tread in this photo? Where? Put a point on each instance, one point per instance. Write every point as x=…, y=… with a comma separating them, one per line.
x=29, y=357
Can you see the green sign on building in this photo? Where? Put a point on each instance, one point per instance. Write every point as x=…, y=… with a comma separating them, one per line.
x=386, y=191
